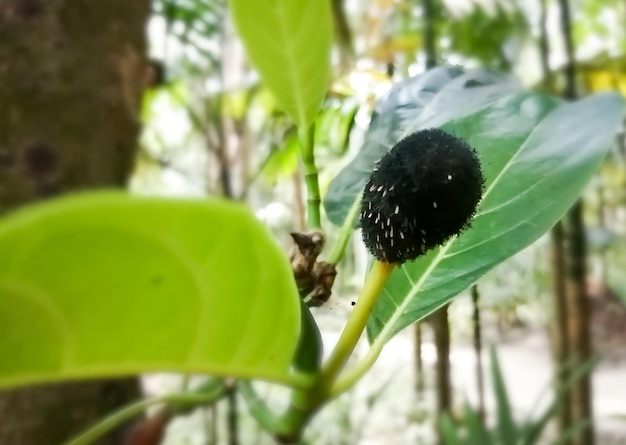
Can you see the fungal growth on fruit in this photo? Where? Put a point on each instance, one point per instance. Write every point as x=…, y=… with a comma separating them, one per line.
x=422, y=192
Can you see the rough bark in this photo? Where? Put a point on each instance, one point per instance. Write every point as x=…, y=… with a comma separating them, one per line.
x=71, y=77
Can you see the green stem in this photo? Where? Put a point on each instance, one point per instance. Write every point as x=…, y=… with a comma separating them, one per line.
x=307, y=401
x=119, y=417
x=347, y=229
x=357, y=321
x=348, y=379
x=307, y=144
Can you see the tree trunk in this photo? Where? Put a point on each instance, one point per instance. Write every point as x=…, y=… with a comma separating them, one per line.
x=579, y=322
x=478, y=348
x=442, y=344
x=430, y=48
x=579, y=314
x=544, y=47
x=71, y=77
x=419, y=362
x=560, y=346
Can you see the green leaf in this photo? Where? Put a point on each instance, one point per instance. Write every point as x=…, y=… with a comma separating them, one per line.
x=505, y=424
x=441, y=95
x=476, y=432
x=531, y=431
x=289, y=43
x=105, y=284
x=309, y=354
x=449, y=431
x=537, y=155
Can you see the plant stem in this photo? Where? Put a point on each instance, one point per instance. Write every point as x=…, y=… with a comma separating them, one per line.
x=355, y=326
x=306, y=401
x=346, y=232
x=134, y=409
x=307, y=144
x=348, y=379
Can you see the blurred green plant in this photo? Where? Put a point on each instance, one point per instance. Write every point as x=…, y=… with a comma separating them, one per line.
x=506, y=430
x=492, y=36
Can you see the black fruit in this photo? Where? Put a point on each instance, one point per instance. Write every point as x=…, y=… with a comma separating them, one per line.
x=421, y=193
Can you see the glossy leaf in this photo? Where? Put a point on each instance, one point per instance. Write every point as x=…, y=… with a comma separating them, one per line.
x=107, y=285
x=440, y=95
x=537, y=155
x=289, y=43
x=536, y=161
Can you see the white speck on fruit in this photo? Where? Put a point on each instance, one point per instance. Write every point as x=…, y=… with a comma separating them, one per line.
x=397, y=210
x=434, y=204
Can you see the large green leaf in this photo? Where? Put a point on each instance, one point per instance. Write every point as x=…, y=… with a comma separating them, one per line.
x=105, y=284
x=533, y=176
x=537, y=154
x=537, y=160
x=289, y=43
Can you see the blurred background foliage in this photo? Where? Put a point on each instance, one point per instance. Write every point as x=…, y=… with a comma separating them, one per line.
x=211, y=129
